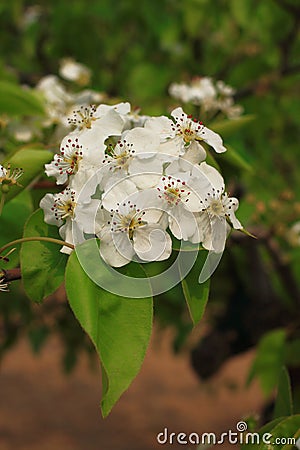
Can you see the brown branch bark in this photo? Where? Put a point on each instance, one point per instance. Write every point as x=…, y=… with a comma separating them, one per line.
x=11, y=274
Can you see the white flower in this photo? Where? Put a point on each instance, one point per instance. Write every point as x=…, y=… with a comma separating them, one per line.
x=122, y=108
x=199, y=91
x=211, y=96
x=67, y=162
x=59, y=103
x=129, y=232
x=74, y=71
x=217, y=213
x=179, y=195
x=119, y=156
x=192, y=131
x=92, y=128
x=63, y=211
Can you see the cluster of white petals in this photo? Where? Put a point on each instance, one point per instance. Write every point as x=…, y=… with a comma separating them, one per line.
x=135, y=181
x=210, y=95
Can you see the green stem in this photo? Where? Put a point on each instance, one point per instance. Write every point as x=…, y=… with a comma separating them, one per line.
x=2, y=201
x=38, y=238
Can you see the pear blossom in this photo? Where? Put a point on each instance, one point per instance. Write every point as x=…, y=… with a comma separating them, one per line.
x=74, y=71
x=131, y=187
x=59, y=103
x=178, y=195
x=201, y=91
x=92, y=126
x=66, y=163
x=192, y=131
x=217, y=214
x=211, y=96
x=129, y=232
x=64, y=211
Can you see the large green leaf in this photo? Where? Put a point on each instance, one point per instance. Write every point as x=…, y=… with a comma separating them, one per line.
x=32, y=162
x=42, y=263
x=278, y=436
x=16, y=101
x=284, y=401
x=119, y=327
x=269, y=360
x=12, y=219
x=196, y=294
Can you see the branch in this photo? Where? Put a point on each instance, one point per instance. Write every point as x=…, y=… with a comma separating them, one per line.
x=10, y=275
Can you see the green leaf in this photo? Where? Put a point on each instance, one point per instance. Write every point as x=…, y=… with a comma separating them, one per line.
x=13, y=218
x=32, y=162
x=119, y=327
x=287, y=428
x=292, y=354
x=227, y=128
x=42, y=263
x=284, y=402
x=16, y=101
x=196, y=294
x=269, y=360
x=233, y=158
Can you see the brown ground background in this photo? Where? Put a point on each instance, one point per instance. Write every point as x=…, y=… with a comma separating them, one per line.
x=43, y=409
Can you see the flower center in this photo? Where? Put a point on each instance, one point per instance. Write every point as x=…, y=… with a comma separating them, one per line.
x=120, y=155
x=71, y=156
x=127, y=222
x=216, y=208
x=83, y=117
x=173, y=191
x=187, y=128
x=64, y=205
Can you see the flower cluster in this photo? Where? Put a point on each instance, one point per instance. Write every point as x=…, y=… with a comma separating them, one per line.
x=212, y=96
x=135, y=181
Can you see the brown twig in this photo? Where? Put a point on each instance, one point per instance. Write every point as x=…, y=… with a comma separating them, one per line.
x=11, y=274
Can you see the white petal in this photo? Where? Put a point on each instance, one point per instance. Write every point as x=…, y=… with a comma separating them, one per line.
x=145, y=142
x=213, y=139
x=146, y=173
x=85, y=215
x=195, y=154
x=46, y=204
x=66, y=233
x=216, y=239
x=161, y=126
x=172, y=148
x=213, y=176
x=52, y=170
x=234, y=204
x=152, y=243
x=182, y=223
x=121, y=108
x=118, y=192
x=178, y=113
x=111, y=254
